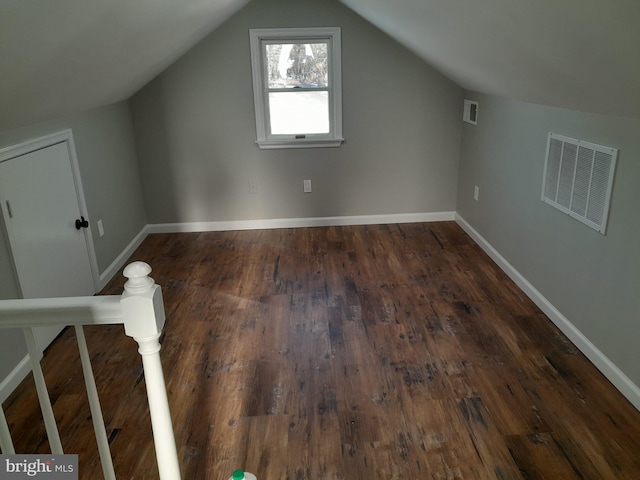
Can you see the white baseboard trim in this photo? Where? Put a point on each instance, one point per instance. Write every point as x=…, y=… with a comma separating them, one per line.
x=23, y=368
x=11, y=382
x=118, y=263
x=623, y=383
x=609, y=369
x=272, y=223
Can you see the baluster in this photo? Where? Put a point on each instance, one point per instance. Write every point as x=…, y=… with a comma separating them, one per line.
x=144, y=318
x=94, y=405
x=43, y=395
x=6, y=444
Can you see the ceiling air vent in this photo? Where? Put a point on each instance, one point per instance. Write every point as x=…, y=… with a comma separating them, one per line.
x=578, y=177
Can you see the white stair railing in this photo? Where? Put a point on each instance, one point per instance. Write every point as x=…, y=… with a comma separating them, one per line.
x=141, y=310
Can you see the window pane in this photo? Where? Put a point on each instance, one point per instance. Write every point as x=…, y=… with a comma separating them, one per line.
x=299, y=112
x=300, y=65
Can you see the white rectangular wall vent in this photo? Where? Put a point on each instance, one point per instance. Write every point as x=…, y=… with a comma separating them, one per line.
x=470, y=112
x=578, y=177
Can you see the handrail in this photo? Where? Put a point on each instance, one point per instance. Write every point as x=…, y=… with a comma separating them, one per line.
x=140, y=309
x=41, y=312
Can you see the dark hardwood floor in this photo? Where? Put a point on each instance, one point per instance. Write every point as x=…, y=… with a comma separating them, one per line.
x=368, y=352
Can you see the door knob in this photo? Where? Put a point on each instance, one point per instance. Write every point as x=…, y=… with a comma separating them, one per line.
x=81, y=223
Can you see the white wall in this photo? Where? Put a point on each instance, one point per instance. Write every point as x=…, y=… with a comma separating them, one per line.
x=590, y=278
x=195, y=128
x=107, y=159
x=105, y=145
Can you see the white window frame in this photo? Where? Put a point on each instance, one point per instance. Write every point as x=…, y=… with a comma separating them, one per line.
x=265, y=139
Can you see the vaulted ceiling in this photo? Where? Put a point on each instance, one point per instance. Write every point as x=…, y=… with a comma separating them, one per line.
x=579, y=54
x=62, y=56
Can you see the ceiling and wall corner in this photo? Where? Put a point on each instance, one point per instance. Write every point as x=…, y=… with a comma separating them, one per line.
x=66, y=56
x=581, y=55
x=195, y=130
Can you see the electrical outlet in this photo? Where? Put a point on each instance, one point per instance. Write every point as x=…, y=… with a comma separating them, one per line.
x=100, y=228
x=307, y=186
x=253, y=186
x=476, y=193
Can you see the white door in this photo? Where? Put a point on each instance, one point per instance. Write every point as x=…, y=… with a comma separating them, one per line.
x=40, y=206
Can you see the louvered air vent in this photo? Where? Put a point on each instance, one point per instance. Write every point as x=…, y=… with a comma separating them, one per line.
x=577, y=179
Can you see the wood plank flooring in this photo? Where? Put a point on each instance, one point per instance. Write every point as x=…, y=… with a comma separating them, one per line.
x=367, y=352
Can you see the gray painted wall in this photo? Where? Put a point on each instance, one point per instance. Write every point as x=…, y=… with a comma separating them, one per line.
x=195, y=128
x=592, y=279
x=107, y=159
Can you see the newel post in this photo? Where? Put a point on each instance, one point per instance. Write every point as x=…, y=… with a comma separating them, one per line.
x=144, y=319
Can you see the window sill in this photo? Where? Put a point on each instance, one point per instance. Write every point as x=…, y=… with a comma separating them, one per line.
x=274, y=144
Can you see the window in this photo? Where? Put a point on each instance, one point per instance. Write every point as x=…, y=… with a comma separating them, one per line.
x=297, y=87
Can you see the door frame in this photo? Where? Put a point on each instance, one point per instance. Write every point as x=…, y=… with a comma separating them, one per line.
x=32, y=145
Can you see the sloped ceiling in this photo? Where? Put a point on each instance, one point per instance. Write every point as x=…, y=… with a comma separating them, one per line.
x=579, y=54
x=62, y=56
